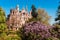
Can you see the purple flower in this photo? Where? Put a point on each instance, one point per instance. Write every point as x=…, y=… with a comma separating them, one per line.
x=37, y=28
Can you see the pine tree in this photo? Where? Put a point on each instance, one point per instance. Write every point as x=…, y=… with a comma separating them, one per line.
x=57, y=24
x=34, y=13
x=58, y=15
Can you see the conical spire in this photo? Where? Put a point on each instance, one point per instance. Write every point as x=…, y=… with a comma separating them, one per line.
x=17, y=7
x=23, y=8
x=26, y=8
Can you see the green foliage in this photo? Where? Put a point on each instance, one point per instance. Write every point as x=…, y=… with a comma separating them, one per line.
x=13, y=37
x=55, y=31
x=34, y=13
x=3, y=36
x=20, y=33
x=2, y=16
x=57, y=24
x=37, y=15
x=42, y=17
x=6, y=34
x=52, y=38
x=2, y=20
x=58, y=15
x=2, y=26
x=32, y=19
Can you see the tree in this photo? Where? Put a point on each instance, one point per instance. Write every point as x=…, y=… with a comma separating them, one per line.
x=56, y=30
x=2, y=20
x=58, y=15
x=34, y=12
x=3, y=25
x=43, y=16
x=13, y=37
x=3, y=36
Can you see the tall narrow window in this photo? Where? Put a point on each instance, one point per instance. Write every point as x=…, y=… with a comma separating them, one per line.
x=13, y=12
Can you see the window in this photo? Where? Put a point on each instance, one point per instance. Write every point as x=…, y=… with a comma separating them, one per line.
x=13, y=12
x=24, y=13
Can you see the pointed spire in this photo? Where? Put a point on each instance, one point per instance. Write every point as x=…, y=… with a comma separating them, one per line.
x=17, y=7
x=26, y=8
x=23, y=8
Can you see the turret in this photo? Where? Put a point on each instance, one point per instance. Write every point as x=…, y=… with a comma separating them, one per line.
x=17, y=7
x=26, y=8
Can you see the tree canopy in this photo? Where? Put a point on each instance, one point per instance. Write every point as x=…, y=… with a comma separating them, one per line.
x=34, y=12
x=2, y=19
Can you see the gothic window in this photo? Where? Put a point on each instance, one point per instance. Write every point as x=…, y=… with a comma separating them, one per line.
x=24, y=13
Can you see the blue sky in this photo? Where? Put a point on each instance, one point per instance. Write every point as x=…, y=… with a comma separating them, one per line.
x=50, y=6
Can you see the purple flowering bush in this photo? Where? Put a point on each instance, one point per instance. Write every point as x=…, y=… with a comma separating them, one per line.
x=35, y=31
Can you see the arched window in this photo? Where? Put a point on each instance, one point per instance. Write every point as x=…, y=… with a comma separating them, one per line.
x=24, y=13
x=13, y=12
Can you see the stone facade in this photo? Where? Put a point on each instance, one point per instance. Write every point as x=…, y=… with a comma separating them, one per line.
x=17, y=18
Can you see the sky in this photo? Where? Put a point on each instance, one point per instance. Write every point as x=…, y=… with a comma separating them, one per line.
x=50, y=6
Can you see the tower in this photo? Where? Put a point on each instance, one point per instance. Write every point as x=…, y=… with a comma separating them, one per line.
x=17, y=7
x=26, y=8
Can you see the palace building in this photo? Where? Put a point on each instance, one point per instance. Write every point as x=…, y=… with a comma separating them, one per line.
x=17, y=18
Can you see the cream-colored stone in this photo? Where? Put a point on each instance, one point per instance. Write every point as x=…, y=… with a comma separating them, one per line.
x=17, y=18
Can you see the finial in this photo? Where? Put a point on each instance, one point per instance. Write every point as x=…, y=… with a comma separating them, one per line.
x=17, y=5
